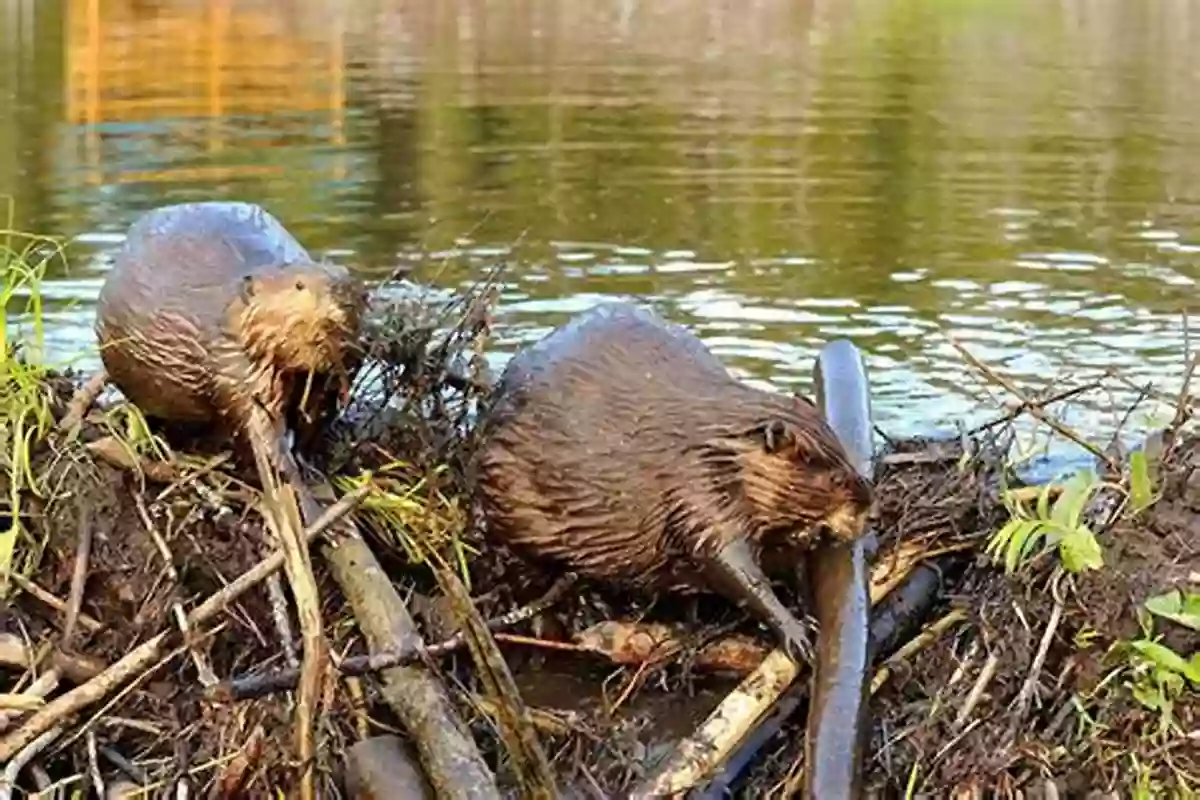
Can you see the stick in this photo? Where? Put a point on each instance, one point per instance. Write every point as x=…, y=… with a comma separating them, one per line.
x=448, y=753
x=204, y=670
x=145, y=654
x=1057, y=397
x=892, y=620
x=83, y=550
x=1021, y=706
x=283, y=623
x=281, y=680
x=799, y=769
x=283, y=518
x=110, y=450
x=89, y=624
x=45, y=683
x=83, y=398
x=266, y=444
x=1182, y=403
x=94, y=764
x=973, y=697
x=526, y=756
x=915, y=645
x=1032, y=407
x=17, y=762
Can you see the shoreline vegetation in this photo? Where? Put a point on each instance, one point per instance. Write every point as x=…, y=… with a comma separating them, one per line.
x=1055, y=648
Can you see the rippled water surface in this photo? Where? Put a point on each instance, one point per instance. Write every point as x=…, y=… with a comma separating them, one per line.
x=1020, y=175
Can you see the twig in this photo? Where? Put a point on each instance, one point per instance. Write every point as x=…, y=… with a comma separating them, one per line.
x=284, y=679
x=799, y=770
x=20, y=701
x=19, y=759
x=283, y=518
x=281, y=524
x=731, y=720
x=1021, y=706
x=122, y=763
x=1114, y=443
x=94, y=764
x=145, y=654
x=545, y=644
x=950, y=745
x=980, y=686
x=915, y=645
x=1182, y=411
x=41, y=688
x=1032, y=407
x=41, y=779
x=83, y=398
x=113, y=452
x=514, y=723
x=88, y=623
x=83, y=550
x=204, y=670
x=73, y=666
x=721, y=731
x=283, y=623
x=1057, y=397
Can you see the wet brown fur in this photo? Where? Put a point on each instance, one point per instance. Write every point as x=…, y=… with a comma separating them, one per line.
x=620, y=447
x=212, y=307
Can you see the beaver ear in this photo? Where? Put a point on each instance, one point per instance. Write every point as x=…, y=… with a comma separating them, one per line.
x=806, y=401
x=777, y=436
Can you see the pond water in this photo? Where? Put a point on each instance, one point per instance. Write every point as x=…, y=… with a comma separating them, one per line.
x=1017, y=174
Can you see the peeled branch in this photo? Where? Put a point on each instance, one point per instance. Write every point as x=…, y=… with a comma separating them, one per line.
x=640, y=642
x=448, y=753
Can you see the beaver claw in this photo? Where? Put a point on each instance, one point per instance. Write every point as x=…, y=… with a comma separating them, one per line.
x=797, y=642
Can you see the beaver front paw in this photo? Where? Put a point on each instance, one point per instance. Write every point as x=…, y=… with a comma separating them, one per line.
x=797, y=641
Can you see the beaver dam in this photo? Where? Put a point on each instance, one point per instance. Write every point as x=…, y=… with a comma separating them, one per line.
x=1034, y=640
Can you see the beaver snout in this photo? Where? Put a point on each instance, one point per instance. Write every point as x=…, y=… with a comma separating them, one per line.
x=848, y=521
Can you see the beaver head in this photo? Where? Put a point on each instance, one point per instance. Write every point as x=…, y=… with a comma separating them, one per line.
x=793, y=476
x=301, y=317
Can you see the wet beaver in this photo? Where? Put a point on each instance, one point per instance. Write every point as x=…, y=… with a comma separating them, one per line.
x=620, y=448
x=212, y=307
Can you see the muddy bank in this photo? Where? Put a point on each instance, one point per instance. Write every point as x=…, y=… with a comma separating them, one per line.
x=1040, y=675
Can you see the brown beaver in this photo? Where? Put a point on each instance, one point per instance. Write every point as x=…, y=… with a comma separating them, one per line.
x=211, y=307
x=620, y=448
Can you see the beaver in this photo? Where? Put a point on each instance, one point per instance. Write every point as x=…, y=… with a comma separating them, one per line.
x=212, y=307
x=620, y=448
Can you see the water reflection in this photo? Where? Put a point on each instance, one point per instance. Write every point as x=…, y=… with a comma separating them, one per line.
x=776, y=173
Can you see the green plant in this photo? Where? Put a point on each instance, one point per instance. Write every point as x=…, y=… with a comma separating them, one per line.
x=25, y=413
x=414, y=522
x=1145, y=787
x=1178, y=606
x=1062, y=524
x=128, y=426
x=1157, y=675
